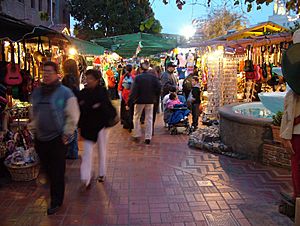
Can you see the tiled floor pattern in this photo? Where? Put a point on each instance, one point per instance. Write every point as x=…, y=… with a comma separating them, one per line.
x=164, y=183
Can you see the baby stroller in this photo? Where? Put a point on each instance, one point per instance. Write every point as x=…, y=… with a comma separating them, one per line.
x=179, y=118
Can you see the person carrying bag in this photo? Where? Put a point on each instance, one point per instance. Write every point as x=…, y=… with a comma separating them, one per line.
x=97, y=115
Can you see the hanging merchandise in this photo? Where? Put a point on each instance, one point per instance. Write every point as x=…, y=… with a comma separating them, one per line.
x=190, y=62
x=26, y=86
x=264, y=64
x=138, y=49
x=249, y=63
x=13, y=75
x=97, y=61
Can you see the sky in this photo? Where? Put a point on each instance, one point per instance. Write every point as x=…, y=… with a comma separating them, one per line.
x=173, y=20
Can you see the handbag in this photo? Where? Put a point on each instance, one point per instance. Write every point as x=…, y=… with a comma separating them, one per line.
x=112, y=115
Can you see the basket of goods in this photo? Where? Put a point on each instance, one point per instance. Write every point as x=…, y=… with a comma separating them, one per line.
x=22, y=162
x=19, y=112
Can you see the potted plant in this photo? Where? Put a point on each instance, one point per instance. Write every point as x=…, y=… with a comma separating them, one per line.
x=276, y=126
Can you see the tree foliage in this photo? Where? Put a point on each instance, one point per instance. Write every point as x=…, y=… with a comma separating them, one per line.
x=220, y=21
x=293, y=5
x=104, y=18
x=151, y=25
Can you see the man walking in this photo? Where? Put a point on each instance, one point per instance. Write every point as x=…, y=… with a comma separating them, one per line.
x=55, y=113
x=168, y=79
x=146, y=88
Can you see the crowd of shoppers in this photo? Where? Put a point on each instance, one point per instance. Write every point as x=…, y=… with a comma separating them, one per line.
x=90, y=113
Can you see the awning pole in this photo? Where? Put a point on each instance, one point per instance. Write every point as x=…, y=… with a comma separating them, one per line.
x=51, y=12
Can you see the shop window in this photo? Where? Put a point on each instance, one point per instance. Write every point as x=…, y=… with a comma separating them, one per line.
x=40, y=5
x=32, y=4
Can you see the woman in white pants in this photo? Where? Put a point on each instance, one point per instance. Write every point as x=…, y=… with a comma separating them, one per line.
x=95, y=108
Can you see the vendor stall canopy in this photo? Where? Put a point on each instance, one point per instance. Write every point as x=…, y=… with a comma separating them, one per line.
x=264, y=33
x=143, y=44
x=16, y=30
x=85, y=47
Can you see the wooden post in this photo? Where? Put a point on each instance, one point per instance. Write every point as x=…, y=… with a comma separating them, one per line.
x=297, y=212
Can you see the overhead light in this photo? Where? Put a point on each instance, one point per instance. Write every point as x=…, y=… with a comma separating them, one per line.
x=188, y=31
x=72, y=51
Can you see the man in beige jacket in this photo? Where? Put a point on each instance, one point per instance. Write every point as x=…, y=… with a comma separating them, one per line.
x=290, y=130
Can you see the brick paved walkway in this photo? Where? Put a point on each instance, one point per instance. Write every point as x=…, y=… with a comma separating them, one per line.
x=165, y=183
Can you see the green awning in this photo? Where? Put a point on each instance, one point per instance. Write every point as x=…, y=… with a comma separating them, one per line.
x=86, y=48
x=126, y=45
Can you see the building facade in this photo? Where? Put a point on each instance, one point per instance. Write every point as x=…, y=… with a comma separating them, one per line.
x=38, y=12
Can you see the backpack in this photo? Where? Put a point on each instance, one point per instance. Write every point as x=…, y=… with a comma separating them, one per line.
x=127, y=82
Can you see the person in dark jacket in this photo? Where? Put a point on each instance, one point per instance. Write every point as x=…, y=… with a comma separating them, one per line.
x=168, y=79
x=187, y=83
x=71, y=80
x=195, y=101
x=146, y=88
x=126, y=111
x=156, y=71
x=93, y=101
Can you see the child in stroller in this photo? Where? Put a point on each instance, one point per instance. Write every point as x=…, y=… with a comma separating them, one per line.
x=176, y=113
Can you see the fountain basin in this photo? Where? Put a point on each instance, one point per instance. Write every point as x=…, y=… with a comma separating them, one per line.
x=273, y=101
x=245, y=133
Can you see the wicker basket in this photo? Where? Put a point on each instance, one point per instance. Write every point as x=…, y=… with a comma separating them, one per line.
x=276, y=133
x=24, y=173
x=2, y=151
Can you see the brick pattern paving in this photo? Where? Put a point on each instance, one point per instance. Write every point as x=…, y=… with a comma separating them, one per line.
x=164, y=183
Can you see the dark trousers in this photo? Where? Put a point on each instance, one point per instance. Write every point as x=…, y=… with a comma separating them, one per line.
x=126, y=116
x=155, y=109
x=295, y=160
x=195, y=114
x=112, y=93
x=53, y=158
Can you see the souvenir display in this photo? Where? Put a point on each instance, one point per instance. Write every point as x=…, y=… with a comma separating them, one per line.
x=22, y=161
x=208, y=139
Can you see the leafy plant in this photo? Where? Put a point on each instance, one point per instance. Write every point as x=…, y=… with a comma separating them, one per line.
x=150, y=25
x=277, y=118
x=44, y=16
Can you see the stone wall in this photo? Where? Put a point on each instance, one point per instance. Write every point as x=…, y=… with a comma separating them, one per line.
x=275, y=155
x=243, y=134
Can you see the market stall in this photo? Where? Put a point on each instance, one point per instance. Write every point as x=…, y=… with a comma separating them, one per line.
x=23, y=48
x=239, y=65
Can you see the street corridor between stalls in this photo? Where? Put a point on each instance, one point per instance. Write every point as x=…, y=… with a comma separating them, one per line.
x=165, y=183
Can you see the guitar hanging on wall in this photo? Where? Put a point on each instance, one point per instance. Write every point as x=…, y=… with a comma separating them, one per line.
x=13, y=75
